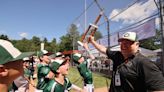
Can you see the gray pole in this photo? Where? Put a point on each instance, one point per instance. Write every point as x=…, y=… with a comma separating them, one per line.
x=161, y=3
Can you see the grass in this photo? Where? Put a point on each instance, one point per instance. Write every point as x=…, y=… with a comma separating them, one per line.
x=98, y=79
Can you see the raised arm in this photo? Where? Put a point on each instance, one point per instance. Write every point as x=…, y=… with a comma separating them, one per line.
x=99, y=47
x=78, y=89
x=85, y=45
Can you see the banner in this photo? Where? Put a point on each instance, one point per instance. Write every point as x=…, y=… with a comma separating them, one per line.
x=143, y=31
x=104, y=41
x=114, y=39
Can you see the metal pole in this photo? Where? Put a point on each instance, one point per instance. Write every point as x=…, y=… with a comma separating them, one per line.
x=161, y=3
x=108, y=33
x=85, y=20
x=85, y=15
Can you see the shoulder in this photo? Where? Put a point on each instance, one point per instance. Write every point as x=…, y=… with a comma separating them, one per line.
x=115, y=55
x=142, y=60
x=44, y=70
x=151, y=74
x=67, y=80
x=50, y=86
x=110, y=53
x=145, y=64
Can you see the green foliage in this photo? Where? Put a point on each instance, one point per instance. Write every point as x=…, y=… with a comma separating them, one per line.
x=97, y=35
x=151, y=42
x=5, y=37
x=65, y=44
x=53, y=45
x=23, y=45
x=69, y=41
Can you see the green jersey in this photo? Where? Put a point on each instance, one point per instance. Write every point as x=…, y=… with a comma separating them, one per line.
x=26, y=72
x=42, y=77
x=85, y=72
x=40, y=65
x=54, y=86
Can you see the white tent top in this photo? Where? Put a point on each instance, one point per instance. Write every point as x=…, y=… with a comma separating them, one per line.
x=144, y=51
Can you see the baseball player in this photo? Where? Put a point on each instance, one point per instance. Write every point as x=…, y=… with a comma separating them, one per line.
x=83, y=68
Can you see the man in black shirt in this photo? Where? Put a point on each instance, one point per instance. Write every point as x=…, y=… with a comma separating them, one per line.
x=132, y=71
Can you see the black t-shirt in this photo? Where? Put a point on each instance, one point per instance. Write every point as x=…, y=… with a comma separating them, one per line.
x=139, y=74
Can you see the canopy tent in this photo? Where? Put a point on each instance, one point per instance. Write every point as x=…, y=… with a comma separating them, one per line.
x=144, y=51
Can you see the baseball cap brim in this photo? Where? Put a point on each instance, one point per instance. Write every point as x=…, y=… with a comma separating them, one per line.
x=121, y=39
x=23, y=55
x=56, y=64
x=52, y=55
x=48, y=54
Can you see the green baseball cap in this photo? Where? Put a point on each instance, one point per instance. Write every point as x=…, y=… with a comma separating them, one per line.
x=58, y=54
x=43, y=52
x=26, y=59
x=76, y=57
x=55, y=64
x=8, y=53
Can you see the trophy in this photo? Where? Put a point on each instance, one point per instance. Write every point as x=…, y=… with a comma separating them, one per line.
x=91, y=29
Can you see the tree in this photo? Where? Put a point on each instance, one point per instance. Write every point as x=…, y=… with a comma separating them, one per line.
x=5, y=37
x=23, y=45
x=35, y=43
x=65, y=43
x=46, y=44
x=151, y=42
x=97, y=35
x=69, y=41
x=74, y=36
x=53, y=45
x=45, y=40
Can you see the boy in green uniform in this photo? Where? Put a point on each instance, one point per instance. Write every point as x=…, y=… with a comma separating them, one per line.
x=60, y=84
x=44, y=58
x=83, y=68
x=43, y=71
x=26, y=61
x=43, y=77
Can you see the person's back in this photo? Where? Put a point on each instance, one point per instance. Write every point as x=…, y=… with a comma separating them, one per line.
x=43, y=71
x=85, y=72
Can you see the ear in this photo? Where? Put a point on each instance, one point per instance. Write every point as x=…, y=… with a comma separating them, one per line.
x=58, y=71
x=3, y=71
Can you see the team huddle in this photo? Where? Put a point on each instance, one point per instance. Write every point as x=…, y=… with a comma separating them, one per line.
x=132, y=71
x=50, y=70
